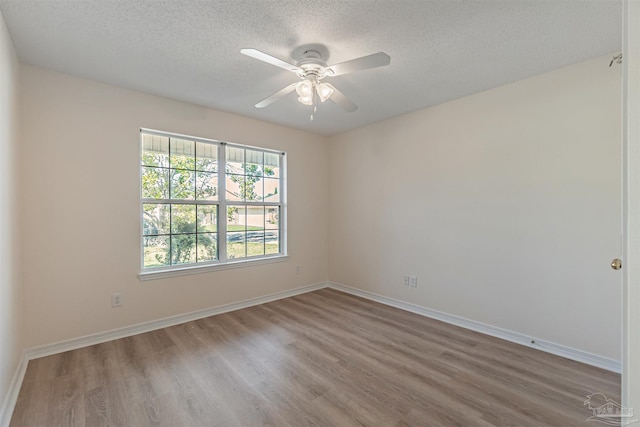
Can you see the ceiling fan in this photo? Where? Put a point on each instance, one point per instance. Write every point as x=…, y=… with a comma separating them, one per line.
x=312, y=69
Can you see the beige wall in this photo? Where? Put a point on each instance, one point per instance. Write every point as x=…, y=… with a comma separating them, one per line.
x=11, y=299
x=81, y=207
x=505, y=204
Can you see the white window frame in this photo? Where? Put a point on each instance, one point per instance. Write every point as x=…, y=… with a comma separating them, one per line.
x=222, y=203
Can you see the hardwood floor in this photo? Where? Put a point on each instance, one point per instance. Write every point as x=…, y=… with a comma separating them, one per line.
x=324, y=358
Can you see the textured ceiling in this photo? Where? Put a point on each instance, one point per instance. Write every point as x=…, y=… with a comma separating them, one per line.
x=190, y=50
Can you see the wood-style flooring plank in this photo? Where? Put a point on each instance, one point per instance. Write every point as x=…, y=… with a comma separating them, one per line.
x=325, y=358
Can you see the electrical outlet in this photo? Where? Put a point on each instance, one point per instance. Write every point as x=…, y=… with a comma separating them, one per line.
x=405, y=280
x=413, y=281
x=297, y=269
x=116, y=300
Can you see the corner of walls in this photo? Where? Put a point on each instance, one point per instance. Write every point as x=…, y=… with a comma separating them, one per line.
x=505, y=204
x=95, y=127
x=578, y=355
x=12, y=304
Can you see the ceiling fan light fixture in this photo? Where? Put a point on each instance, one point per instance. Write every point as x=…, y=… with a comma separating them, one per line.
x=311, y=69
x=305, y=89
x=324, y=91
x=306, y=100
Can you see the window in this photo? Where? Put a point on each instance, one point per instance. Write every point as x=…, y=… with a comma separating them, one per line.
x=208, y=202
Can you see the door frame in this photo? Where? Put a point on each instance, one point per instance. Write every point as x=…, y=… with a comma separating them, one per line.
x=631, y=206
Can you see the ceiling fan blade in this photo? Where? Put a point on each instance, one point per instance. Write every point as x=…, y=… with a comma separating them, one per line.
x=363, y=63
x=276, y=96
x=339, y=98
x=254, y=53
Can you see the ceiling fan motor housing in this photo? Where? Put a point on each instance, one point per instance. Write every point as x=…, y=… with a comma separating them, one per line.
x=312, y=65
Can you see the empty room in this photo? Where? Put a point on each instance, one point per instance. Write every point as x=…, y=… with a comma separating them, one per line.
x=336, y=213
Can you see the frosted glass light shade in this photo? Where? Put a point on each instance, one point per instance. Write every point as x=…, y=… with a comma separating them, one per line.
x=304, y=89
x=306, y=100
x=324, y=91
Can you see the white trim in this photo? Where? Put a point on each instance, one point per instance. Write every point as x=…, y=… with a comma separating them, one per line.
x=178, y=135
x=222, y=204
x=222, y=211
x=494, y=331
x=283, y=217
x=206, y=268
x=9, y=404
x=127, y=331
x=631, y=205
x=46, y=350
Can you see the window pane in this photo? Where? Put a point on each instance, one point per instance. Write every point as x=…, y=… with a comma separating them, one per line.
x=156, y=251
x=255, y=218
x=207, y=219
x=183, y=184
x=271, y=190
x=236, y=247
x=272, y=218
x=255, y=243
x=272, y=165
x=183, y=154
x=207, y=247
x=259, y=190
x=155, y=218
x=183, y=219
x=235, y=185
x=253, y=163
x=235, y=160
x=155, y=183
x=272, y=242
x=236, y=218
x=183, y=249
x=155, y=150
x=206, y=186
x=206, y=157
x=252, y=190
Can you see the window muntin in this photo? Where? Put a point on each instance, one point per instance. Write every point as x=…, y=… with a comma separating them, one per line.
x=189, y=218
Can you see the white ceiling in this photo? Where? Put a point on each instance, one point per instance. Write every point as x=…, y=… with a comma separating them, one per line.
x=190, y=50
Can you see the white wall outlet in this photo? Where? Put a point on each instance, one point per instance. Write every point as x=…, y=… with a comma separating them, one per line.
x=116, y=300
x=413, y=281
x=405, y=280
x=297, y=269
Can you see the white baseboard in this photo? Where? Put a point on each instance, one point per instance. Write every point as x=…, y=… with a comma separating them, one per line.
x=127, y=331
x=494, y=331
x=8, y=405
x=6, y=411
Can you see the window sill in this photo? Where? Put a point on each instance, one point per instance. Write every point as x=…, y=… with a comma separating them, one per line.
x=198, y=269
